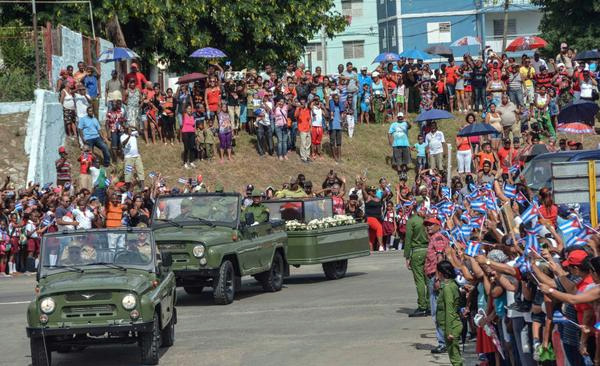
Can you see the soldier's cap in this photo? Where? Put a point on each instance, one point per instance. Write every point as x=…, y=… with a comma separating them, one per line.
x=256, y=192
x=219, y=188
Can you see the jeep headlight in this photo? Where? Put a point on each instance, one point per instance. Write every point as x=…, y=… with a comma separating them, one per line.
x=47, y=305
x=128, y=302
x=198, y=251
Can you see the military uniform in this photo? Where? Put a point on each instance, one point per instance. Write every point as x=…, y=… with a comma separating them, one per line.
x=260, y=211
x=415, y=249
x=448, y=319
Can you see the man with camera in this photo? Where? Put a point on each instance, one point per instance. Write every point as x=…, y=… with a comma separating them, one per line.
x=133, y=160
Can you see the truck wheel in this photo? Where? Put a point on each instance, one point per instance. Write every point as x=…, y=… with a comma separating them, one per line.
x=272, y=280
x=193, y=290
x=150, y=343
x=335, y=270
x=167, y=335
x=224, y=284
x=40, y=355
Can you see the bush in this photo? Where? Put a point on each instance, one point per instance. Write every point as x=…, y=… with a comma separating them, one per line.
x=17, y=64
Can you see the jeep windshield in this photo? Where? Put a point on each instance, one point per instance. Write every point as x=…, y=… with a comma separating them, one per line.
x=208, y=210
x=83, y=251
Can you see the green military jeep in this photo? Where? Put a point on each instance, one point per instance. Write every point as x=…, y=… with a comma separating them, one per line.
x=212, y=246
x=102, y=286
x=317, y=236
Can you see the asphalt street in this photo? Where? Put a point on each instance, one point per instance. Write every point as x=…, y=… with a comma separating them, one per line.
x=358, y=320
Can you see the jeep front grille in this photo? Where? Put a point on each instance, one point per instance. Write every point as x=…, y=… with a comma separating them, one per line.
x=89, y=311
x=88, y=296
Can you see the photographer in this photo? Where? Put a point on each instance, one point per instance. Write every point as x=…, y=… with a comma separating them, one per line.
x=133, y=160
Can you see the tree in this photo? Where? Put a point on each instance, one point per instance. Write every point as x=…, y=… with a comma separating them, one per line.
x=251, y=32
x=576, y=22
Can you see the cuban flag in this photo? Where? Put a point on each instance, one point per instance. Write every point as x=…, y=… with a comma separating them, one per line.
x=473, y=249
x=409, y=203
x=466, y=230
x=128, y=169
x=523, y=265
x=532, y=244
x=490, y=202
x=477, y=221
x=510, y=191
x=577, y=239
x=446, y=208
x=478, y=206
x=536, y=229
x=570, y=226
x=46, y=186
x=151, y=175
x=457, y=235
x=31, y=203
x=558, y=317
x=513, y=170
x=521, y=199
x=19, y=206
x=446, y=193
x=465, y=217
x=530, y=213
x=182, y=180
x=107, y=181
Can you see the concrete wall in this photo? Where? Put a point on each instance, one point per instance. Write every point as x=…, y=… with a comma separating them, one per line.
x=72, y=52
x=105, y=71
x=15, y=107
x=45, y=134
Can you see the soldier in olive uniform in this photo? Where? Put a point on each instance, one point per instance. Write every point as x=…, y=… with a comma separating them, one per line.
x=447, y=311
x=415, y=252
x=260, y=211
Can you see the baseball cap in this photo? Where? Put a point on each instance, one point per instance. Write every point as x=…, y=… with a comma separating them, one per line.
x=564, y=45
x=62, y=150
x=575, y=258
x=375, y=74
x=256, y=192
x=432, y=221
x=363, y=68
x=400, y=114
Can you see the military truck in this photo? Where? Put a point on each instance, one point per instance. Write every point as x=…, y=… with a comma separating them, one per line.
x=104, y=286
x=212, y=246
x=317, y=236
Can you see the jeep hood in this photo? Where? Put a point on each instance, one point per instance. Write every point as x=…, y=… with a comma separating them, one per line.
x=133, y=280
x=206, y=234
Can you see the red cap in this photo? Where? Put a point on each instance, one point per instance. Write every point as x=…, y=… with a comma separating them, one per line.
x=575, y=258
x=432, y=221
x=199, y=178
x=62, y=150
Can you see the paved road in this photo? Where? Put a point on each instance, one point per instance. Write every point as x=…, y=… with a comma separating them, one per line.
x=359, y=320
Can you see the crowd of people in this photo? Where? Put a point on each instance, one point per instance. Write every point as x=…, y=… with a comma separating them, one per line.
x=492, y=260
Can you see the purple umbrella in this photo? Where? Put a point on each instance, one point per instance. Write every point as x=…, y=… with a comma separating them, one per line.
x=208, y=52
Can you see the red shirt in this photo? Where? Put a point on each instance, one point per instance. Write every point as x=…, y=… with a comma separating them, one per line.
x=503, y=155
x=549, y=213
x=63, y=170
x=338, y=205
x=581, y=287
x=140, y=79
x=437, y=243
x=85, y=161
x=451, y=74
x=304, y=119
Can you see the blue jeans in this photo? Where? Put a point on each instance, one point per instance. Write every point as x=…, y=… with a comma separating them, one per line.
x=479, y=93
x=516, y=96
x=99, y=143
x=282, y=136
x=264, y=138
x=292, y=136
x=439, y=333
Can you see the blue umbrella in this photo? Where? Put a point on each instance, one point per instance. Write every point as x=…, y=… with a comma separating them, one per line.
x=433, y=114
x=387, y=57
x=416, y=54
x=477, y=129
x=208, y=52
x=117, y=54
x=578, y=111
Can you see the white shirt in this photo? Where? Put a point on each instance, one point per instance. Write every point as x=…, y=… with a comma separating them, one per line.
x=81, y=104
x=435, y=142
x=130, y=150
x=317, y=117
x=31, y=228
x=84, y=218
x=586, y=89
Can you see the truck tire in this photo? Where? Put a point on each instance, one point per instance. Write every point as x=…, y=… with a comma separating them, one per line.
x=167, y=335
x=40, y=355
x=224, y=284
x=335, y=270
x=193, y=290
x=272, y=280
x=150, y=343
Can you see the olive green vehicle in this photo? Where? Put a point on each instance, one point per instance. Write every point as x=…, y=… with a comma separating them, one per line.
x=211, y=246
x=329, y=246
x=102, y=286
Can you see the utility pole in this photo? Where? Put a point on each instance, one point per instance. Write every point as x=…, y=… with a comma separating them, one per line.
x=505, y=27
x=324, y=49
x=35, y=45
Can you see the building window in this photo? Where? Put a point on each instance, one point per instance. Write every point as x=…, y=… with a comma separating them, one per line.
x=315, y=48
x=393, y=37
x=499, y=27
x=352, y=8
x=439, y=32
x=382, y=39
x=354, y=49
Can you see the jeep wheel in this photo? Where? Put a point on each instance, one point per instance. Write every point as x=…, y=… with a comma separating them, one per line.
x=224, y=284
x=150, y=342
x=167, y=335
x=40, y=354
x=335, y=270
x=193, y=290
x=272, y=280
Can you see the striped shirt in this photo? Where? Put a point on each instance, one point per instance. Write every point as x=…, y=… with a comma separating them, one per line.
x=63, y=170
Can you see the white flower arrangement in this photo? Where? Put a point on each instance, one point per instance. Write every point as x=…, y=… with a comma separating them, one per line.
x=326, y=222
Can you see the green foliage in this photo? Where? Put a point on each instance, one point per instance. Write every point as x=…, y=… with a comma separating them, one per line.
x=17, y=64
x=576, y=22
x=250, y=32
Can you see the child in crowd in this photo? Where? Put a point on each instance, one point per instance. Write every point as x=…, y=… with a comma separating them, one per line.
x=421, y=148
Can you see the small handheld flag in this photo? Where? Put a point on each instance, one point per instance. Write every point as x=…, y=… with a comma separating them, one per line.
x=128, y=169
x=510, y=191
x=182, y=180
x=529, y=214
x=473, y=249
